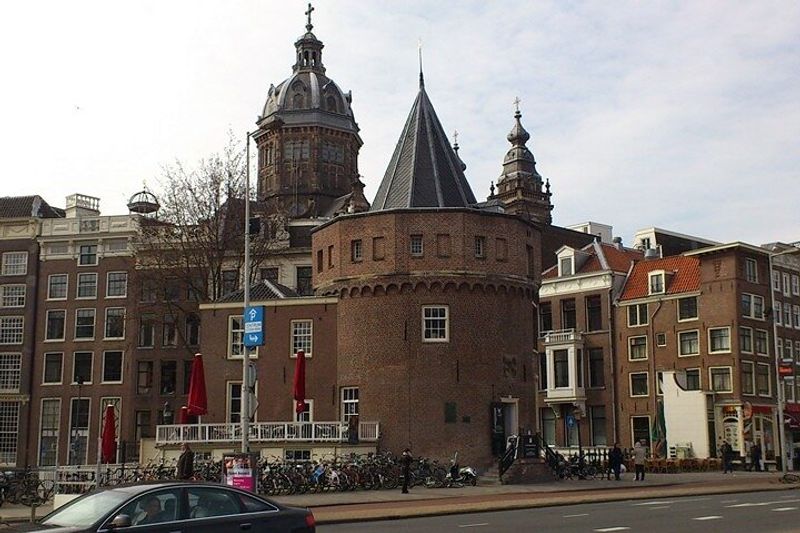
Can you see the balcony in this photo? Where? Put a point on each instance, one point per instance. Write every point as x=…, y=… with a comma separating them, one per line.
x=281, y=432
x=564, y=336
x=564, y=359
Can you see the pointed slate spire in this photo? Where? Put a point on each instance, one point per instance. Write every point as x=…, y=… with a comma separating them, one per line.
x=424, y=171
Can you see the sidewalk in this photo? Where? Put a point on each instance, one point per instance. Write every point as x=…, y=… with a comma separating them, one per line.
x=384, y=504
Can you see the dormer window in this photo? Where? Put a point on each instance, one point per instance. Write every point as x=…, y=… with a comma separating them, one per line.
x=565, y=266
x=657, y=282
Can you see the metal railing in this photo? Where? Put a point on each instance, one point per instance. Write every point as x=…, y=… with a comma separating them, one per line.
x=266, y=432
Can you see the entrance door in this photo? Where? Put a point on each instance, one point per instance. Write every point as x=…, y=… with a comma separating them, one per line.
x=511, y=417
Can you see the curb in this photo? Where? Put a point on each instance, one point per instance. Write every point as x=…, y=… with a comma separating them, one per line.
x=416, y=509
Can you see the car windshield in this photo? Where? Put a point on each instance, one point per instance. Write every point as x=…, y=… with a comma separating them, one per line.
x=87, y=510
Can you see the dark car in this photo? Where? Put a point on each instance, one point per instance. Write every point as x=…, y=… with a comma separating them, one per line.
x=173, y=507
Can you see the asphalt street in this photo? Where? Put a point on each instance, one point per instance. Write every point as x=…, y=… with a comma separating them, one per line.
x=753, y=512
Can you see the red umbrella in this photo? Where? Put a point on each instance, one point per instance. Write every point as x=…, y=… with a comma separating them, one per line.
x=300, y=381
x=183, y=415
x=198, y=401
x=108, y=445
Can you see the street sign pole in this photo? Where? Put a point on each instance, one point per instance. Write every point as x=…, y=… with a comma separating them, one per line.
x=244, y=414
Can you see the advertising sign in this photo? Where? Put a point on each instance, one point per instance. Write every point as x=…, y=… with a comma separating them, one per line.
x=240, y=470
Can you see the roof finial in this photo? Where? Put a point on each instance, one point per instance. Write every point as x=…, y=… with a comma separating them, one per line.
x=419, y=50
x=491, y=189
x=455, y=140
x=517, y=101
x=310, y=10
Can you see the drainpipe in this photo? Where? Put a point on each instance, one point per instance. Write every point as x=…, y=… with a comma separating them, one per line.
x=613, y=359
x=653, y=361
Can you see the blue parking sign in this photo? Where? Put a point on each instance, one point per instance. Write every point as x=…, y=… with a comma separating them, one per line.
x=254, y=326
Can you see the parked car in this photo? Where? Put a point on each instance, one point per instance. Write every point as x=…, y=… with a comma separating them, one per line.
x=173, y=507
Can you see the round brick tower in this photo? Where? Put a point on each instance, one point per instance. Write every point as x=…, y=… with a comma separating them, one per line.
x=435, y=314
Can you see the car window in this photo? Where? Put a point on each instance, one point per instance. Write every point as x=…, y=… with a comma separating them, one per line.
x=207, y=501
x=254, y=505
x=153, y=508
x=86, y=510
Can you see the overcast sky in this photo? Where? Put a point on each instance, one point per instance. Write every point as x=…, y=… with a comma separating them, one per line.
x=682, y=115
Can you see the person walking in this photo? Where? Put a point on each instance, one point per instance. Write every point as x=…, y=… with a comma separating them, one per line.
x=639, y=452
x=727, y=457
x=615, y=460
x=755, y=456
x=186, y=462
x=405, y=462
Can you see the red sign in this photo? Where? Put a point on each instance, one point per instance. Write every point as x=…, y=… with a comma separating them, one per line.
x=785, y=370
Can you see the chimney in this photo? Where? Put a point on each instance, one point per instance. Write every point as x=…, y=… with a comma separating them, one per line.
x=617, y=243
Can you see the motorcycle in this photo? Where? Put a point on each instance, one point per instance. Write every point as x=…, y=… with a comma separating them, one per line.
x=459, y=476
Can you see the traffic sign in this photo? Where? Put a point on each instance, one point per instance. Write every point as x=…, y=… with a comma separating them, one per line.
x=254, y=326
x=570, y=421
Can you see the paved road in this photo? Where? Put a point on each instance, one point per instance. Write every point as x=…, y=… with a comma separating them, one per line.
x=753, y=512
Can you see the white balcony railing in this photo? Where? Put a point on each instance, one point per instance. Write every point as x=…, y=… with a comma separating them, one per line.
x=266, y=432
x=563, y=336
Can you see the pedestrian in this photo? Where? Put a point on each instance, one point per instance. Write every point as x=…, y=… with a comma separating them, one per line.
x=755, y=456
x=727, y=457
x=186, y=462
x=405, y=462
x=615, y=460
x=639, y=452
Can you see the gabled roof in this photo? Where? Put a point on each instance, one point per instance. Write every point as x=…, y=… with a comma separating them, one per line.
x=28, y=206
x=685, y=277
x=424, y=170
x=602, y=257
x=264, y=290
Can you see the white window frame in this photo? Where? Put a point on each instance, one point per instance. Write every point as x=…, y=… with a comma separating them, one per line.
x=82, y=432
x=766, y=343
x=569, y=261
x=105, y=323
x=446, y=319
x=656, y=274
x=787, y=315
x=296, y=416
x=630, y=384
x=12, y=301
x=235, y=335
x=94, y=324
x=229, y=400
x=480, y=247
x=10, y=267
x=96, y=254
x=56, y=430
x=795, y=284
x=298, y=339
x=726, y=350
x=44, y=369
x=696, y=308
x=630, y=345
x=796, y=314
x=787, y=287
x=10, y=372
x=699, y=378
x=788, y=389
x=12, y=330
x=87, y=379
x=776, y=280
x=638, y=311
x=630, y=421
x=122, y=368
x=752, y=366
x=680, y=343
x=711, y=379
x=343, y=401
x=769, y=380
x=751, y=270
x=108, y=284
x=49, y=287
x=752, y=340
x=753, y=299
x=356, y=250
x=85, y=275
x=169, y=324
x=777, y=313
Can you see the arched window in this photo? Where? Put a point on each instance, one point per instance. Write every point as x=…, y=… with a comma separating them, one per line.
x=330, y=104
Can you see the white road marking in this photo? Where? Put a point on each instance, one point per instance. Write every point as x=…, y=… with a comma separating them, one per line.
x=779, y=509
x=618, y=528
x=574, y=515
x=654, y=503
x=475, y=525
x=659, y=507
x=710, y=517
x=762, y=504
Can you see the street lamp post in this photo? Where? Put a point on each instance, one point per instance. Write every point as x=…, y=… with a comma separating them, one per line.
x=778, y=356
x=74, y=447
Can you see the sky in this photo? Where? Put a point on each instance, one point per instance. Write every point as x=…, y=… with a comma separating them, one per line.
x=683, y=115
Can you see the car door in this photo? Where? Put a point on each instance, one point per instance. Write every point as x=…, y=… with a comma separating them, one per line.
x=262, y=516
x=157, y=511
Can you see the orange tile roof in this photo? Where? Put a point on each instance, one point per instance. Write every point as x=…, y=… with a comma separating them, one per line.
x=686, y=276
x=618, y=260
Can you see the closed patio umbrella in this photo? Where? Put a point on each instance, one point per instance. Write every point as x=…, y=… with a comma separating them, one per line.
x=198, y=401
x=300, y=382
x=108, y=443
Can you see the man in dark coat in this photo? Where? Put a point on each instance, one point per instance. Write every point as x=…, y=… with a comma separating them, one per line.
x=755, y=455
x=727, y=457
x=405, y=462
x=186, y=462
x=615, y=460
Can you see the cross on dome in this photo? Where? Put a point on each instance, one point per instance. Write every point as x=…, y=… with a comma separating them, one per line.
x=310, y=10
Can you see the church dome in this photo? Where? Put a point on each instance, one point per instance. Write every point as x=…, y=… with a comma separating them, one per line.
x=308, y=95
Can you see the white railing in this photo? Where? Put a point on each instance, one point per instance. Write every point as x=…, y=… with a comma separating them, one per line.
x=266, y=432
x=562, y=336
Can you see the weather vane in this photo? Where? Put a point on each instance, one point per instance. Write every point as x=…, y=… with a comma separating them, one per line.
x=517, y=101
x=455, y=137
x=309, y=26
